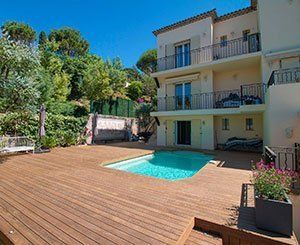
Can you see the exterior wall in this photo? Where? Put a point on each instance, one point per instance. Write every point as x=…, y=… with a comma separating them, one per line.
x=202, y=131
x=282, y=115
x=201, y=29
x=234, y=27
x=279, y=24
x=234, y=79
x=237, y=127
x=202, y=84
x=268, y=66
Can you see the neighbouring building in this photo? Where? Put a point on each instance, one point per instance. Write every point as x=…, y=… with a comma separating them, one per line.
x=230, y=76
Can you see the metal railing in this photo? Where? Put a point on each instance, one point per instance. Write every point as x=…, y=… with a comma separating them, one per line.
x=222, y=50
x=246, y=95
x=286, y=158
x=284, y=76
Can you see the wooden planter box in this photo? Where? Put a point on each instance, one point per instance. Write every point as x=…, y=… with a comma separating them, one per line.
x=273, y=215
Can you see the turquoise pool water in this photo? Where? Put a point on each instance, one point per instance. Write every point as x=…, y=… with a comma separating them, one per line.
x=170, y=165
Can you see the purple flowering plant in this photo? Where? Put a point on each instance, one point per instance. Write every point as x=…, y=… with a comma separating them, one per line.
x=272, y=183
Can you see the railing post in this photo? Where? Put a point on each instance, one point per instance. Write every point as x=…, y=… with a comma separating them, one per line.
x=241, y=94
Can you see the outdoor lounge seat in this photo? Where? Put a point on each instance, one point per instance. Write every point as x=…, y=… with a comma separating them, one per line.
x=16, y=144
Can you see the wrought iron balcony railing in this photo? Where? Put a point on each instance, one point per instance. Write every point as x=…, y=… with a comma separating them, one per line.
x=284, y=76
x=239, y=46
x=246, y=95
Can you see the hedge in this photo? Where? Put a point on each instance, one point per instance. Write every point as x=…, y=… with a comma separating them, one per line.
x=60, y=130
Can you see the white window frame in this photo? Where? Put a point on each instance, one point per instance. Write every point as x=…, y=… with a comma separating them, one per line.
x=176, y=45
x=183, y=92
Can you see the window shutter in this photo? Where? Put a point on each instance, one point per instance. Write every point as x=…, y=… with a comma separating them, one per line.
x=195, y=54
x=170, y=58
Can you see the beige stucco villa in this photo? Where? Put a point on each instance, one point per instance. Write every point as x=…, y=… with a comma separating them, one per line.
x=236, y=75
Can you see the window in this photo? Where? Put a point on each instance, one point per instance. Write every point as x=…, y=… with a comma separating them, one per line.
x=183, y=96
x=245, y=35
x=249, y=124
x=182, y=55
x=223, y=41
x=225, y=124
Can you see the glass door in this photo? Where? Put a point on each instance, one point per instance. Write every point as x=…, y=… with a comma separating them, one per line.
x=182, y=55
x=183, y=132
x=179, y=96
x=187, y=96
x=183, y=96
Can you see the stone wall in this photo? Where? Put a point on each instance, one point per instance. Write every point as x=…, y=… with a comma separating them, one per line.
x=101, y=128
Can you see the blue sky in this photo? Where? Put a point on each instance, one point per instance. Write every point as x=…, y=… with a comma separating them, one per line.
x=113, y=27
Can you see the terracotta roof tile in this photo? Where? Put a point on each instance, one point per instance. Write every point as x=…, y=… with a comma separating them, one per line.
x=212, y=13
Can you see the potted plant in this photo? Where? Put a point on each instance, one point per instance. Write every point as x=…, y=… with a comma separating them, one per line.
x=273, y=208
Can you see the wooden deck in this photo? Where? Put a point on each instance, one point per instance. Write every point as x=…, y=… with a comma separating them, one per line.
x=67, y=197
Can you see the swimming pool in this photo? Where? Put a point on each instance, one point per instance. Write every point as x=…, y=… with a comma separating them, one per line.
x=170, y=165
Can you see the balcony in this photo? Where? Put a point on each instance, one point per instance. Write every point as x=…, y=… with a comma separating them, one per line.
x=251, y=94
x=218, y=51
x=285, y=76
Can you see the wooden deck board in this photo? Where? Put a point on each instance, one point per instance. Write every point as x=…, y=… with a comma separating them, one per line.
x=66, y=196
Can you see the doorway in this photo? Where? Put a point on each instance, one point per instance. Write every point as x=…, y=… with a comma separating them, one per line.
x=183, y=133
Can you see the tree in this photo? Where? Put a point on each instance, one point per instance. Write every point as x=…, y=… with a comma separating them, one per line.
x=18, y=94
x=95, y=85
x=17, y=58
x=43, y=39
x=60, y=79
x=135, y=90
x=133, y=74
x=75, y=67
x=117, y=76
x=149, y=86
x=19, y=32
x=69, y=42
x=147, y=61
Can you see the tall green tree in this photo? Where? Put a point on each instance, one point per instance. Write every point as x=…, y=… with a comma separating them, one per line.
x=19, y=32
x=96, y=82
x=147, y=61
x=43, y=40
x=60, y=79
x=69, y=42
x=135, y=90
x=17, y=58
x=19, y=65
x=117, y=76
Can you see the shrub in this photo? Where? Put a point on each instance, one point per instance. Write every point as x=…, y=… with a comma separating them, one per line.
x=271, y=183
x=67, y=109
x=60, y=130
x=48, y=142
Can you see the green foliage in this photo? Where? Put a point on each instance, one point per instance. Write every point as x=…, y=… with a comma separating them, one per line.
x=149, y=86
x=95, y=85
x=49, y=142
x=17, y=59
x=135, y=90
x=271, y=183
x=117, y=76
x=75, y=67
x=69, y=42
x=43, y=40
x=19, y=32
x=143, y=113
x=60, y=130
x=21, y=124
x=147, y=61
x=18, y=94
x=67, y=108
